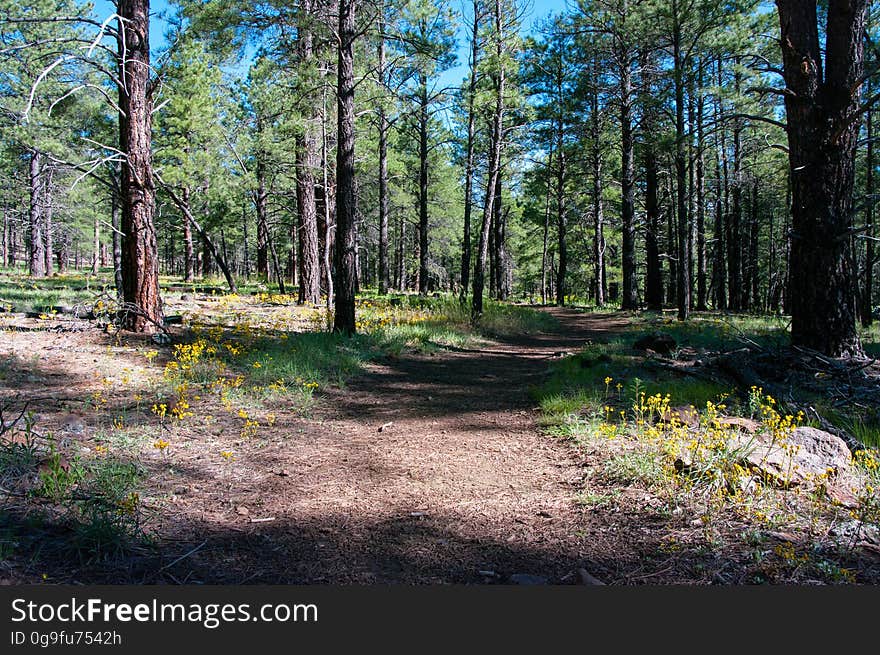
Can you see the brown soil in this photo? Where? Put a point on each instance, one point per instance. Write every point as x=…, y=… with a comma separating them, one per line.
x=425, y=469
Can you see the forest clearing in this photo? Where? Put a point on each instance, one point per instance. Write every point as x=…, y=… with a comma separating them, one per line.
x=396, y=291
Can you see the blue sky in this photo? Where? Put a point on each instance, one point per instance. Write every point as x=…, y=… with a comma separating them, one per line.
x=535, y=12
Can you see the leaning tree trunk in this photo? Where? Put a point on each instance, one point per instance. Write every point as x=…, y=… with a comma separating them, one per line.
x=822, y=112
x=140, y=261
x=346, y=183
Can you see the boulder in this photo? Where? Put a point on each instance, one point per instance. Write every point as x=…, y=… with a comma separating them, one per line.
x=658, y=342
x=801, y=458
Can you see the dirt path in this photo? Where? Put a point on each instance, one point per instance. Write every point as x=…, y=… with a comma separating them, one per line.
x=426, y=469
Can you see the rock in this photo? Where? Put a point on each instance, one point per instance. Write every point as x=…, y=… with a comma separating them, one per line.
x=185, y=296
x=241, y=510
x=161, y=339
x=657, y=342
x=587, y=579
x=801, y=458
x=842, y=496
x=527, y=579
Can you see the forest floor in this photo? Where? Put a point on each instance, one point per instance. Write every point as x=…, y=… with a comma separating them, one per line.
x=427, y=465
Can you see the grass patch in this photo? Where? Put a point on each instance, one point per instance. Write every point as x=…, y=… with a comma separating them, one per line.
x=87, y=509
x=639, y=467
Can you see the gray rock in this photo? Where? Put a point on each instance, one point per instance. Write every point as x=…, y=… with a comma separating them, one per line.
x=802, y=457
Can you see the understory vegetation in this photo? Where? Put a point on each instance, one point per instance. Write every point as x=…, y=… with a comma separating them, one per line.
x=672, y=439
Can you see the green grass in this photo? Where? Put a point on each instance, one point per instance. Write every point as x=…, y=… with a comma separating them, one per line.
x=640, y=467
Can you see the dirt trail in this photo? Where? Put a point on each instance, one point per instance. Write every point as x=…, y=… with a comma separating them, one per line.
x=458, y=486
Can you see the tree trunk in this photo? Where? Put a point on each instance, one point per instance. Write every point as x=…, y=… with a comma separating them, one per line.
x=630, y=295
x=494, y=170
x=469, y=158
x=719, y=246
x=683, y=291
x=868, y=293
x=117, y=243
x=423, y=185
x=36, y=245
x=306, y=165
x=822, y=115
x=546, y=232
x=561, y=222
x=654, y=273
x=383, y=163
x=262, y=207
x=96, y=245
x=599, y=291
x=346, y=183
x=140, y=263
x=188, y=250
x=48, y=215
x=502, y=288
x=701, y=200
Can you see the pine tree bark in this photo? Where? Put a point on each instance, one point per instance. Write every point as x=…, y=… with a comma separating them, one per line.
x=683, y=286
x=140, y=262
x=188, y=250
x=599, y=246
x=346, y=183
x=306, y=165
x=469, y=158
x=868, y=293
x=383, y=163
x=630, y=297
x=423, y=185
x=96, y=245
x=561, y=223
x=701, y=199
x=654, y=272
x=117, y=243
x=822, y=117
x=494, y=169
x=36, y=244
x=262, y=208
x=48, y=215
